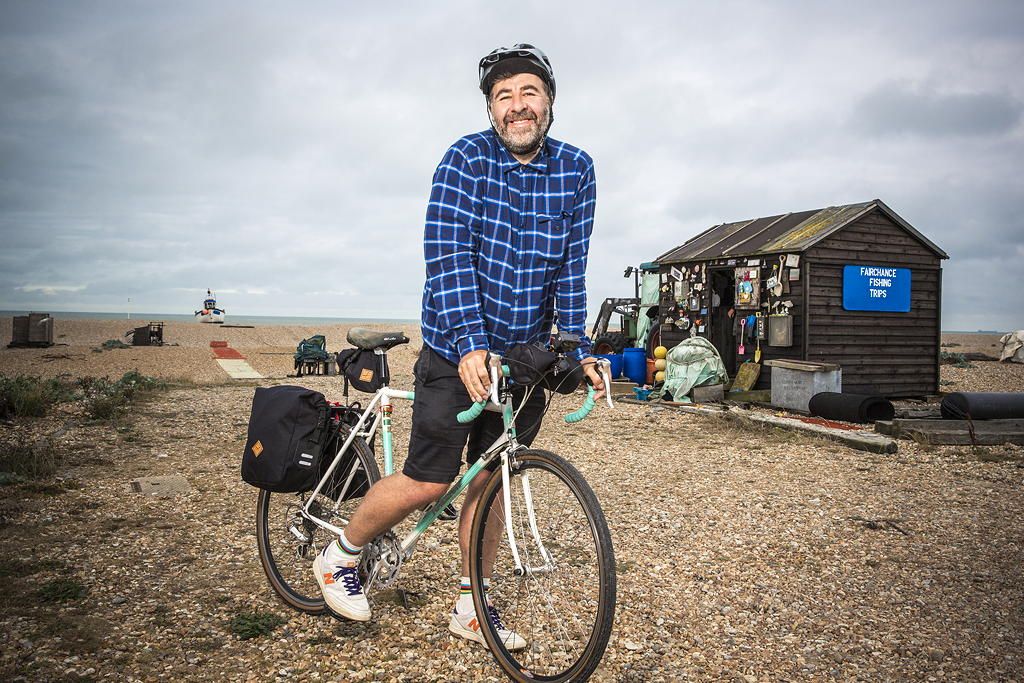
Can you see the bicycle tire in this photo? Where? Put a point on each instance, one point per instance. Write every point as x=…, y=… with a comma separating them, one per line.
x=287, y=560
x=568, y=620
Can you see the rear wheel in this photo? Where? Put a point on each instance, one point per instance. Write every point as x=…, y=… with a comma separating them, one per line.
x=288, y=542
x=612, y=342
x=563, y=602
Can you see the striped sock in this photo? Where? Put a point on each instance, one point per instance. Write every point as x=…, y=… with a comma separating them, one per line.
x=348, y=550
x=464, y=605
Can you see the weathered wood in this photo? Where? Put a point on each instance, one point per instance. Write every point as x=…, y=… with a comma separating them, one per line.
x=761, y=396
x=921, y=313
x=898, y=426
x=806, y=366
x=860, y=440
x=935, y=437
x=849, y=317
x=892, y=350
x=866, y=254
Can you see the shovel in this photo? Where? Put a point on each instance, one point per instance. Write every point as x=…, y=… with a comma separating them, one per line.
x=743, y=325
x=757, y=351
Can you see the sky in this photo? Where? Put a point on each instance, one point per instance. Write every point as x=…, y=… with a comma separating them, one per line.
x=281, y=153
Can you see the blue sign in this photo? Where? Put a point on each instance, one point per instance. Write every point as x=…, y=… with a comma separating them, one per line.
x=876, y=288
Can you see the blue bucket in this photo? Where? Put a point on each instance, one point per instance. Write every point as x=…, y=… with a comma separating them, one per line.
x=616, y=360
x=634, y=364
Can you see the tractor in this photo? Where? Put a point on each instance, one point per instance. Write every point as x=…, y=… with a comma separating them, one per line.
x=629, y=311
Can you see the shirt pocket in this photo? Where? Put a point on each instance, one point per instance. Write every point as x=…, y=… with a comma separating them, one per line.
x=548, y=237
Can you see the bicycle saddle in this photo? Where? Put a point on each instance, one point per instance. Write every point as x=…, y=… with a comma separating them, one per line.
x=368, y=340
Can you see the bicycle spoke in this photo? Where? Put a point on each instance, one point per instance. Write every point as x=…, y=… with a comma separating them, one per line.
x=288, y=542
x=562, y=608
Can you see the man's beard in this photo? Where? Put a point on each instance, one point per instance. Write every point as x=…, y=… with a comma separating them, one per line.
x=524, y=142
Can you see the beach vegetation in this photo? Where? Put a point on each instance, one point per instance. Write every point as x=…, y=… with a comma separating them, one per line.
x=110, y=345
x=37, y=459
x=106, y=399
x=28, y=396
x=957, y=360
x=248, y=625
x=62, y=590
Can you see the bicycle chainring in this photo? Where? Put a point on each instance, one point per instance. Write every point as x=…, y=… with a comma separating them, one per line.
x=381, y=561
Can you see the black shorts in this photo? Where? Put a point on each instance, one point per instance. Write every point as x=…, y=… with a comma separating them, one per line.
x=437, y=439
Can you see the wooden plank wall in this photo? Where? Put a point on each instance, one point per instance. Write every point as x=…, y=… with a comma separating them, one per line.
x=895, y=354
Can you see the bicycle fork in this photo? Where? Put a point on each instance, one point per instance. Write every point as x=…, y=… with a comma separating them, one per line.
x=549, y=561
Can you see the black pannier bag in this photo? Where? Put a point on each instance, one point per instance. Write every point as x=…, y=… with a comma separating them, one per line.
x=361, y=369
x=288, y=429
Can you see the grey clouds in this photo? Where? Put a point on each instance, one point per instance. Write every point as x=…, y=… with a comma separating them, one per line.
x=282, y=153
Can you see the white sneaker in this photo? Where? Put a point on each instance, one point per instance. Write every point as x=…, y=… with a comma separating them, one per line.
x=467, y=626
x=339, y=582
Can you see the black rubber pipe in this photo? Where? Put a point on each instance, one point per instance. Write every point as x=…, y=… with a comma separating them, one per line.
x=983, y=406
x=851, y=407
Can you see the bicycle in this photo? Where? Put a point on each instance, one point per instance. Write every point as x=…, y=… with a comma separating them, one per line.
x=539, y=526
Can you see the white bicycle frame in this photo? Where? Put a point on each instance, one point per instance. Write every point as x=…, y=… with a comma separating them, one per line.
x=504, y=445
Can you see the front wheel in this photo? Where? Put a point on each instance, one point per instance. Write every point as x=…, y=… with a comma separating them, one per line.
x=288, y=542
x=552, y=620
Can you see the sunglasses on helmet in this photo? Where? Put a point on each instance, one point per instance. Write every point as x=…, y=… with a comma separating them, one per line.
x=518, y=50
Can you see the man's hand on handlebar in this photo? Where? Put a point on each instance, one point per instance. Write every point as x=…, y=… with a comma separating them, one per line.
x=590, y=369
x=475, y=374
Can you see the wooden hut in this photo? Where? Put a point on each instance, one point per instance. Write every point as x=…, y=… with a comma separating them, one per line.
x=854, y=285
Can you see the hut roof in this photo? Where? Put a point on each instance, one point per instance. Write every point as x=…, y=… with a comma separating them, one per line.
x=791, y=232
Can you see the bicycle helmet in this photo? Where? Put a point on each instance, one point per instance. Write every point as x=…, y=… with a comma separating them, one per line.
x=518, y=59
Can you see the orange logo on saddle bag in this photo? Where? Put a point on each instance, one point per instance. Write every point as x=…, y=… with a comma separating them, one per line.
x=257, y=448
x=366, y=375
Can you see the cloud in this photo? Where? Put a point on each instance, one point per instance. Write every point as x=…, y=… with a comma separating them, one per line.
x=50, y=290
x=283, y=156
x=899, y=108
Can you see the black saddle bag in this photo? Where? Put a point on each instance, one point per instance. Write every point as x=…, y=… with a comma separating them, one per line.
x=362, y=369
x=288, y=429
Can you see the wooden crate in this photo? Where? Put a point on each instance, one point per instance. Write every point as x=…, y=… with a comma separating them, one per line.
x=34, y=329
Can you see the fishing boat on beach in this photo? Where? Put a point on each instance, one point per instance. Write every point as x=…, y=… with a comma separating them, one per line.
x=210, y=313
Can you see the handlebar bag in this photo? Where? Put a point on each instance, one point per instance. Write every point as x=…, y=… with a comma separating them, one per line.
x=528, y=363
x=288, y=428
x=565, y=376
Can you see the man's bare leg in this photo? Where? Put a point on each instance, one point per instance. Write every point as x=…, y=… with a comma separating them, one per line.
x=473, y=492
x=464, y=621
x=387, y=503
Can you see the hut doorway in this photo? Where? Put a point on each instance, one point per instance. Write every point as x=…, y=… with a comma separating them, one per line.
x=722, y=318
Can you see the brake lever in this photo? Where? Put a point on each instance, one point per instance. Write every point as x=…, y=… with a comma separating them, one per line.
x=496, y=371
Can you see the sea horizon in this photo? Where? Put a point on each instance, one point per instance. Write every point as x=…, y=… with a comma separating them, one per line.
x=143, y=317
x=304, y=320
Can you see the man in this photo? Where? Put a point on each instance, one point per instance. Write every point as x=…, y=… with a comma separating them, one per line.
x=507, y=234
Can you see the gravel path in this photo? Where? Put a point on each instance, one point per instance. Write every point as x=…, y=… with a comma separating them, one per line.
x=743, y=555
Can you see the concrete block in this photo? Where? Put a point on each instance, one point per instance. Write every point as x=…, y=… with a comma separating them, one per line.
x=622, y=387
x=792, y=388
x=160, y=486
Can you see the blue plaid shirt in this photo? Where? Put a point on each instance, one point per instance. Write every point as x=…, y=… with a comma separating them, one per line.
x=506, y=246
